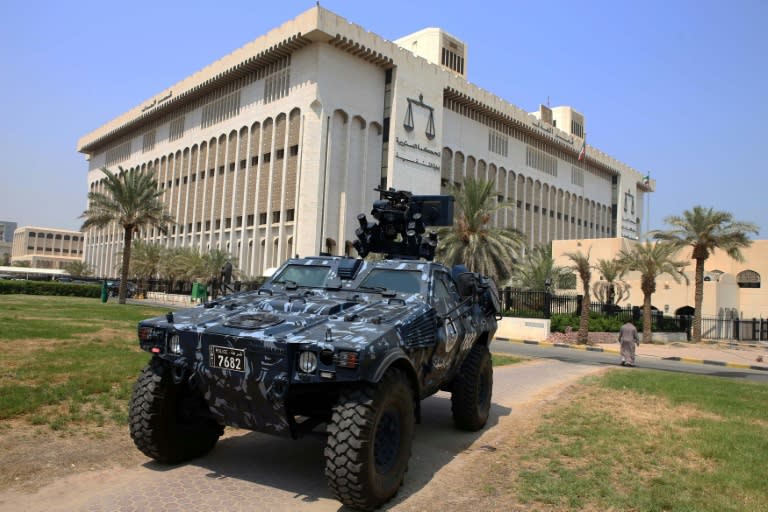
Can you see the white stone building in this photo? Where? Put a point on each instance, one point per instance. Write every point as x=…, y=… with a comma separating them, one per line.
x=47, y=248
x=274, y=149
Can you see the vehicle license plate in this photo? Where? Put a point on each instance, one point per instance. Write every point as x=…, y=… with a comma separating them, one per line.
x=226, y=358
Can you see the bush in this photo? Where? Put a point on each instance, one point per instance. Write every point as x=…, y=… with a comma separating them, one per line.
x=600, y=323
x=50, y=288
x=597, y=323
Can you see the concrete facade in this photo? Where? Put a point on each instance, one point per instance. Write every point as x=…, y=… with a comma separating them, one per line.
x=730, y=287
x=6, y=230
x=6, y=240
x=47, y=248
x=274, y=149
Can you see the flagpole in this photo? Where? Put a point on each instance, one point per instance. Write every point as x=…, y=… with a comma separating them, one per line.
x=648, y=207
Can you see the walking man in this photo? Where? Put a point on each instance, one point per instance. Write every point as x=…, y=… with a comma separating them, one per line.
x=629, y=340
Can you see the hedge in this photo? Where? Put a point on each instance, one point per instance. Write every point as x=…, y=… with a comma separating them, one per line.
x=50, y=288
x=597, y=323
x=602, y=323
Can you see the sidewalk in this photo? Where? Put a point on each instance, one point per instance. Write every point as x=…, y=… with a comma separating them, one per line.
x=733, y=355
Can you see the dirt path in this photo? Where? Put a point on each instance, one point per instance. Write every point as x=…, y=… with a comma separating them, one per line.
x=248, y=468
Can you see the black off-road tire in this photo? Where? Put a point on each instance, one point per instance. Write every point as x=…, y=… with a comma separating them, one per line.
x=369, y=441
x=166, y=419
x=472, y=389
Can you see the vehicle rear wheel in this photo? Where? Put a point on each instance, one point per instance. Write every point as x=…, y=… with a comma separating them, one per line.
x=369, y=441
x=167, y=420
x=472, y=389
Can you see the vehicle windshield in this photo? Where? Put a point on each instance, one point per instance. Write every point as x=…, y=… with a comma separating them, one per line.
x=303, y=275
x=406, y=281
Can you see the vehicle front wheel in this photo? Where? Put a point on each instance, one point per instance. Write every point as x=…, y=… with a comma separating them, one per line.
x=169, y=421
x=369, y=441
x=472, y=389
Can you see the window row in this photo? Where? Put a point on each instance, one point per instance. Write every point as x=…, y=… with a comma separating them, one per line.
x=453, y=61
x=221, y=109
x=118, y=153
x=577, y=176
x=266, y=158
x=51, y=236
x=498, y=143
x=176, y=118
x=541, y=161
x=54, y=249
x=474, y=111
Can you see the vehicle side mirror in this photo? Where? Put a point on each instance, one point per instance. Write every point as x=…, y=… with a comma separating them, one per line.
x=466, y=284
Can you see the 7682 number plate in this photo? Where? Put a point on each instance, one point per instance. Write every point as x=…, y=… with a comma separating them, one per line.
x=226, y=358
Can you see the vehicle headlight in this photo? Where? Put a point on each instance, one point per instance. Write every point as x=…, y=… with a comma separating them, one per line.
x=307, y=362
x=174, y=344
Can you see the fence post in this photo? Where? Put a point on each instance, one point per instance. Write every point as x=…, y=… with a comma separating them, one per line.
x=736, y=329
x=579, y=298
x=754, y=328
x=547, y=304
x=506, y=298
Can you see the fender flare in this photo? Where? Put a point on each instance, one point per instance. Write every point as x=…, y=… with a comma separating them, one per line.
x=398, y=358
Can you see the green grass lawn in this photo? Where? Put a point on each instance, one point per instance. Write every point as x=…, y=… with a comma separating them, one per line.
x=66, y=360
x=646, y=440
x=504, y=359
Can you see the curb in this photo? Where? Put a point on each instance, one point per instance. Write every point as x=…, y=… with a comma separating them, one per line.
x=588, y=348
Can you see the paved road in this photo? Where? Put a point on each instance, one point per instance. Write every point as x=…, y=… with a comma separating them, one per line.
x=249, y=471
x=607, y=359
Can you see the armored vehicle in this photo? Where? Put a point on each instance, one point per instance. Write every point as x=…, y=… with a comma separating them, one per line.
x=351, y=344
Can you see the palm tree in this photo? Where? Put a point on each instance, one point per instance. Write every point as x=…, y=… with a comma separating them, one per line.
x=652, y=260
x=584, y=270
x=537, y=269
x=175, y=263
x=610, y=289
x=473, y=240
x=78, y=268
x=145, y=261
x=131, y=199
x=215, y=259
x=705, y=230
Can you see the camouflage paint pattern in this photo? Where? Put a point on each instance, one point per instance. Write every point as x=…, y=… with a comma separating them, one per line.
x=271, y=327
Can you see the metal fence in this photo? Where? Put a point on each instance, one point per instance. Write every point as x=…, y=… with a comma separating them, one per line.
x=740, y=329
x=180, y=287
x=543, y=304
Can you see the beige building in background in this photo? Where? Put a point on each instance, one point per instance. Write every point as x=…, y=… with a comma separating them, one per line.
x=730, y=287
x=274, y=149
x=47, y=247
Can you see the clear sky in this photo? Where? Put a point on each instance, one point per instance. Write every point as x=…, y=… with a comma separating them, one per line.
x=677, y=89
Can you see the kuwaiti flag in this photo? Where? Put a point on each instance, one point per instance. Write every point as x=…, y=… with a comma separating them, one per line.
x=583, y=151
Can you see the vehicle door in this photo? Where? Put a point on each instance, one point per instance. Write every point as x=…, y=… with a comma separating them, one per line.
x=451, y=332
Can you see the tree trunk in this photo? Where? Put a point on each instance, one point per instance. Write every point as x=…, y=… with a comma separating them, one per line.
x=646, y=317
x=583, y=334
x=128, y=237
x=698, y=298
